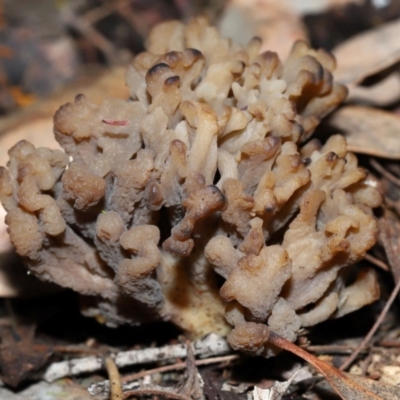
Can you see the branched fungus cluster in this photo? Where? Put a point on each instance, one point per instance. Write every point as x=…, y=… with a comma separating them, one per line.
x=195, y=201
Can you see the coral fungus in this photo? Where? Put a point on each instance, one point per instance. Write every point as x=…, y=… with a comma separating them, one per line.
x=201, y=179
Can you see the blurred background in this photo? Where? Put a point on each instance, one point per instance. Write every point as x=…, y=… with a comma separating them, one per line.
x=45, y=44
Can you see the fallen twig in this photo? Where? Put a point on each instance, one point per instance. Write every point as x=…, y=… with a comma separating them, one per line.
x=81, y=25
x=372, y=331
x=376, y=261
x=347, y=386
x=392, y=256
x=208, y=346
x=177, y=367
x=388, y=175
x=129, y=382
x=113, y=374
x=330, y=349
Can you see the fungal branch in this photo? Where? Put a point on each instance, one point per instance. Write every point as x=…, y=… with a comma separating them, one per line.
x=202, y=176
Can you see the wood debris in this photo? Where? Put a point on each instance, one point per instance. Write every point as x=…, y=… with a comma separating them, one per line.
x=206, y=347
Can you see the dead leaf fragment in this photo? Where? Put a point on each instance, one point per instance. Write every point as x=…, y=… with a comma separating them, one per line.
x=276, y=392
x=380, y=390
x=347, y=386
x=215, y=387
x=19, y=355
x=382, y=94
x=368, y=53
x=369, y=130
x=389, y=236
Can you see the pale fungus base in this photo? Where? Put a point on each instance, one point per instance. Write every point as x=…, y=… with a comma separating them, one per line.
x=200, y=178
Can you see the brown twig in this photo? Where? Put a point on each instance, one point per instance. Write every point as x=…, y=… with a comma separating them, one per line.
x=388, y=175
x=92, y=35
x=389, y=236
x=372, y=331
x=115, y=381
x=178, y=366
x=376, y=261
x=70, y=350
x=123, y=8
x=389, y=343
x=365, y=364
x=345, y=385
x=99, y=13
x=393, y=257
x=330, y=349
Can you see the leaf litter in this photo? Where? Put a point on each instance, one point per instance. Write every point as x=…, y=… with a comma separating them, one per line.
x=368, y=53
x=369, y=130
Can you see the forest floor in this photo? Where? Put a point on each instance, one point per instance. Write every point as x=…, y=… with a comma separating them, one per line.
x=50, y=51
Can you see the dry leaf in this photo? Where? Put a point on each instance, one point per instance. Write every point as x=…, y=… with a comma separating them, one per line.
x=347, y=386
x=276, y=392
x=18, y=354
x=358, y=387
x=368, y=53
x=389, y=236
x=215, y=386
x=384, y=93
x=369, y=131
